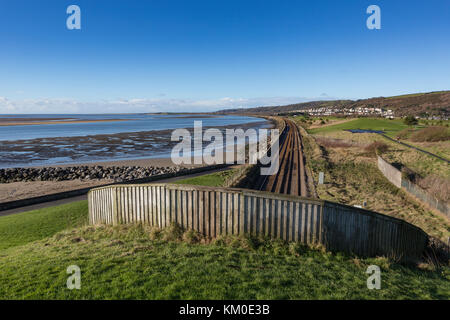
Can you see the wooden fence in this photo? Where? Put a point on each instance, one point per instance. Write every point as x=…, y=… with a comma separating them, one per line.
x=226, y=211
x=394, y=176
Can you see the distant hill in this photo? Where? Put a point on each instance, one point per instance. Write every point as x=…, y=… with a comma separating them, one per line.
x=417, y=104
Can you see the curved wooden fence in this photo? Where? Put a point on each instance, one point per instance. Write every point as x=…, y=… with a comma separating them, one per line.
x=222, y=211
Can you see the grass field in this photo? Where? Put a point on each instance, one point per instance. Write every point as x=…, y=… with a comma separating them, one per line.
x=21, y=228
x=390, y=127
x=134, y=262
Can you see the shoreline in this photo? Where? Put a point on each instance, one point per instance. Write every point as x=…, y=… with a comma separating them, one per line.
x=137, y=162
x=139, y=147
x=19, y=190
x=24, y=189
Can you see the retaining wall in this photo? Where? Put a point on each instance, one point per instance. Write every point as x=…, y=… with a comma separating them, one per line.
x=390, y=172
x=228, y=211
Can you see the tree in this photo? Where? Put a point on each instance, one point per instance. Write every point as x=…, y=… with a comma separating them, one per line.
x=410, y=120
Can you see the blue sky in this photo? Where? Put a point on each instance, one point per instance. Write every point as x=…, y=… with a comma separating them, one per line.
x=137, y=56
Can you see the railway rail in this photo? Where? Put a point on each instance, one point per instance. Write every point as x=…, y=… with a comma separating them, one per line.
x=291, y=177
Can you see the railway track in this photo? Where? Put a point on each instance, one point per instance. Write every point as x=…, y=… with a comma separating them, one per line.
x=291, y=177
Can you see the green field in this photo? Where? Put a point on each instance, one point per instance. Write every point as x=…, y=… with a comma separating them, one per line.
x=135, y=262
x=390, y=127
x=21, y=228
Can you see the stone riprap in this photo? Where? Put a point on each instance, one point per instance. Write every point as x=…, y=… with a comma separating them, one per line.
x=116, y=173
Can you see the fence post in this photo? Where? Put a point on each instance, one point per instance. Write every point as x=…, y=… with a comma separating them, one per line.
x=321, y=177
x=115, y=211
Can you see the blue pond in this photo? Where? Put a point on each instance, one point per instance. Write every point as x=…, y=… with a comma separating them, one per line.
x=364, y=131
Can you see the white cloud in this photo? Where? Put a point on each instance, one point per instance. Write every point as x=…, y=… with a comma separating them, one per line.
x=139, y=105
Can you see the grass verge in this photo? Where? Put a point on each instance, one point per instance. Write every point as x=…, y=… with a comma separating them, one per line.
x=137, y=262
x=216, y=179
x=21, y=228
x=390, y=127
x=352, y=178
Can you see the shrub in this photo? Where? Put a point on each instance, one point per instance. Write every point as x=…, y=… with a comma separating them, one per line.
x=173, y=233
x=155, y=234
x=410, y=120
x=192, y=236
x=404, y=134
x=335, y=143
x=431, y=134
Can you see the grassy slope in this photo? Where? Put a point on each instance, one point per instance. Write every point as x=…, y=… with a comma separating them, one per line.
x=133, y=262
x=216, y=179
x=129, y=262
x=355, y=182
x=25, y=227
x=416, y=94
x=352, y=177
x=21, y=228
x=415, y=160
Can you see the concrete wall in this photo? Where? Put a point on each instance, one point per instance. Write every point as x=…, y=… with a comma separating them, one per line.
x=390, y=172
x=395, y=177
x=226, y=211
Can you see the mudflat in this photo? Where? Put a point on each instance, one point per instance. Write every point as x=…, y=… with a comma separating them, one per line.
x=89, y=148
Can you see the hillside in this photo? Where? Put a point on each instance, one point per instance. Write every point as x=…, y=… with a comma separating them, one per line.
x=139, y=262
x=417, y=104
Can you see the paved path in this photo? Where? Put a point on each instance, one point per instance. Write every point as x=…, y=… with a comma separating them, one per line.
x=84, y=197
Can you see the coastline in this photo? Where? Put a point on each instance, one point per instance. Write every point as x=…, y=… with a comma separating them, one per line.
x=90, y=149
x=141, y=162
x=25, y=189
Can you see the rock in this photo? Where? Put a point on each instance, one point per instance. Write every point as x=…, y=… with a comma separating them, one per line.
x=118, y=174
